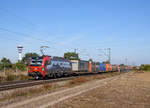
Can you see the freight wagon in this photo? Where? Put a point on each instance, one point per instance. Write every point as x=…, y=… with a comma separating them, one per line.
x=81, y=66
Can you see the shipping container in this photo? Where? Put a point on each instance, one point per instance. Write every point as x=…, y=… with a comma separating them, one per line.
x=114, y=68
x=102, y=67
x=117, y=68
x=80, y=65
x=108, y=67
x=83, y=66
x=75, y=65
x=111, y=68
x=97, y=66
x=93, y=66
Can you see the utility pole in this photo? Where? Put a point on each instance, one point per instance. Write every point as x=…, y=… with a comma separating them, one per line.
x=109, y=50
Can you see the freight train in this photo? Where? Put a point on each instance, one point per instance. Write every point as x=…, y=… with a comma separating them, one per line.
x=49, y=67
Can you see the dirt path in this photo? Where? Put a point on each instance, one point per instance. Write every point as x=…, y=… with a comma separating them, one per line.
x=129, y=91
x=49, y=100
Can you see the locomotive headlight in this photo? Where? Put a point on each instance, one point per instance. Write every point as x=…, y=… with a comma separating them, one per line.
x=42, y=69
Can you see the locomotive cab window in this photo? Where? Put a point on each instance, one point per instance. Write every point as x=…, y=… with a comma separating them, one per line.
x=36, y=62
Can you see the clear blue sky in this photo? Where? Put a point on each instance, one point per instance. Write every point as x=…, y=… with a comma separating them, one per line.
x=122, y=25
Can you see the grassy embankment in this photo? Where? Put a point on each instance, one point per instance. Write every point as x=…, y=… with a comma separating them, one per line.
x=13, y=75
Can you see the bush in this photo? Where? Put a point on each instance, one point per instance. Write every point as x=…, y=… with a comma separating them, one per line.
x=145, y=67
x=1, y=66
x=47, y=86
x=23, y=77
x=5, y=62
x=20, y=65
x=78, y=80
x=10, y=77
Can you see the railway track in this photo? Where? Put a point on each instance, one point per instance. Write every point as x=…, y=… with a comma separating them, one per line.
x=28, y=83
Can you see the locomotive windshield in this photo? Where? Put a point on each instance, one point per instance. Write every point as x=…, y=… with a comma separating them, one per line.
x=36, y=62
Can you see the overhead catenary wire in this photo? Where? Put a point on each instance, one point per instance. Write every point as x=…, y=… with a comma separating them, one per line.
x=16, y=40
x=24, y=20
x=22, y=34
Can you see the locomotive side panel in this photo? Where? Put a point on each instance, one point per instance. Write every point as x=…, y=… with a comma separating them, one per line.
x=58, y=67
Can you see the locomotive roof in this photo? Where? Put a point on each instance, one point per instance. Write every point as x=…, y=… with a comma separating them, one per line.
x=59, y=58
x=53, y=58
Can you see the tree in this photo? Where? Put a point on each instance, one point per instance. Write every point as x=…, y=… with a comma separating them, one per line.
x=5, y=63
x=27, y=56
x=91, y=60
x=145, y=67
x=1, y=66
x=20, y=65
x=71, y=56
x=106, y=62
